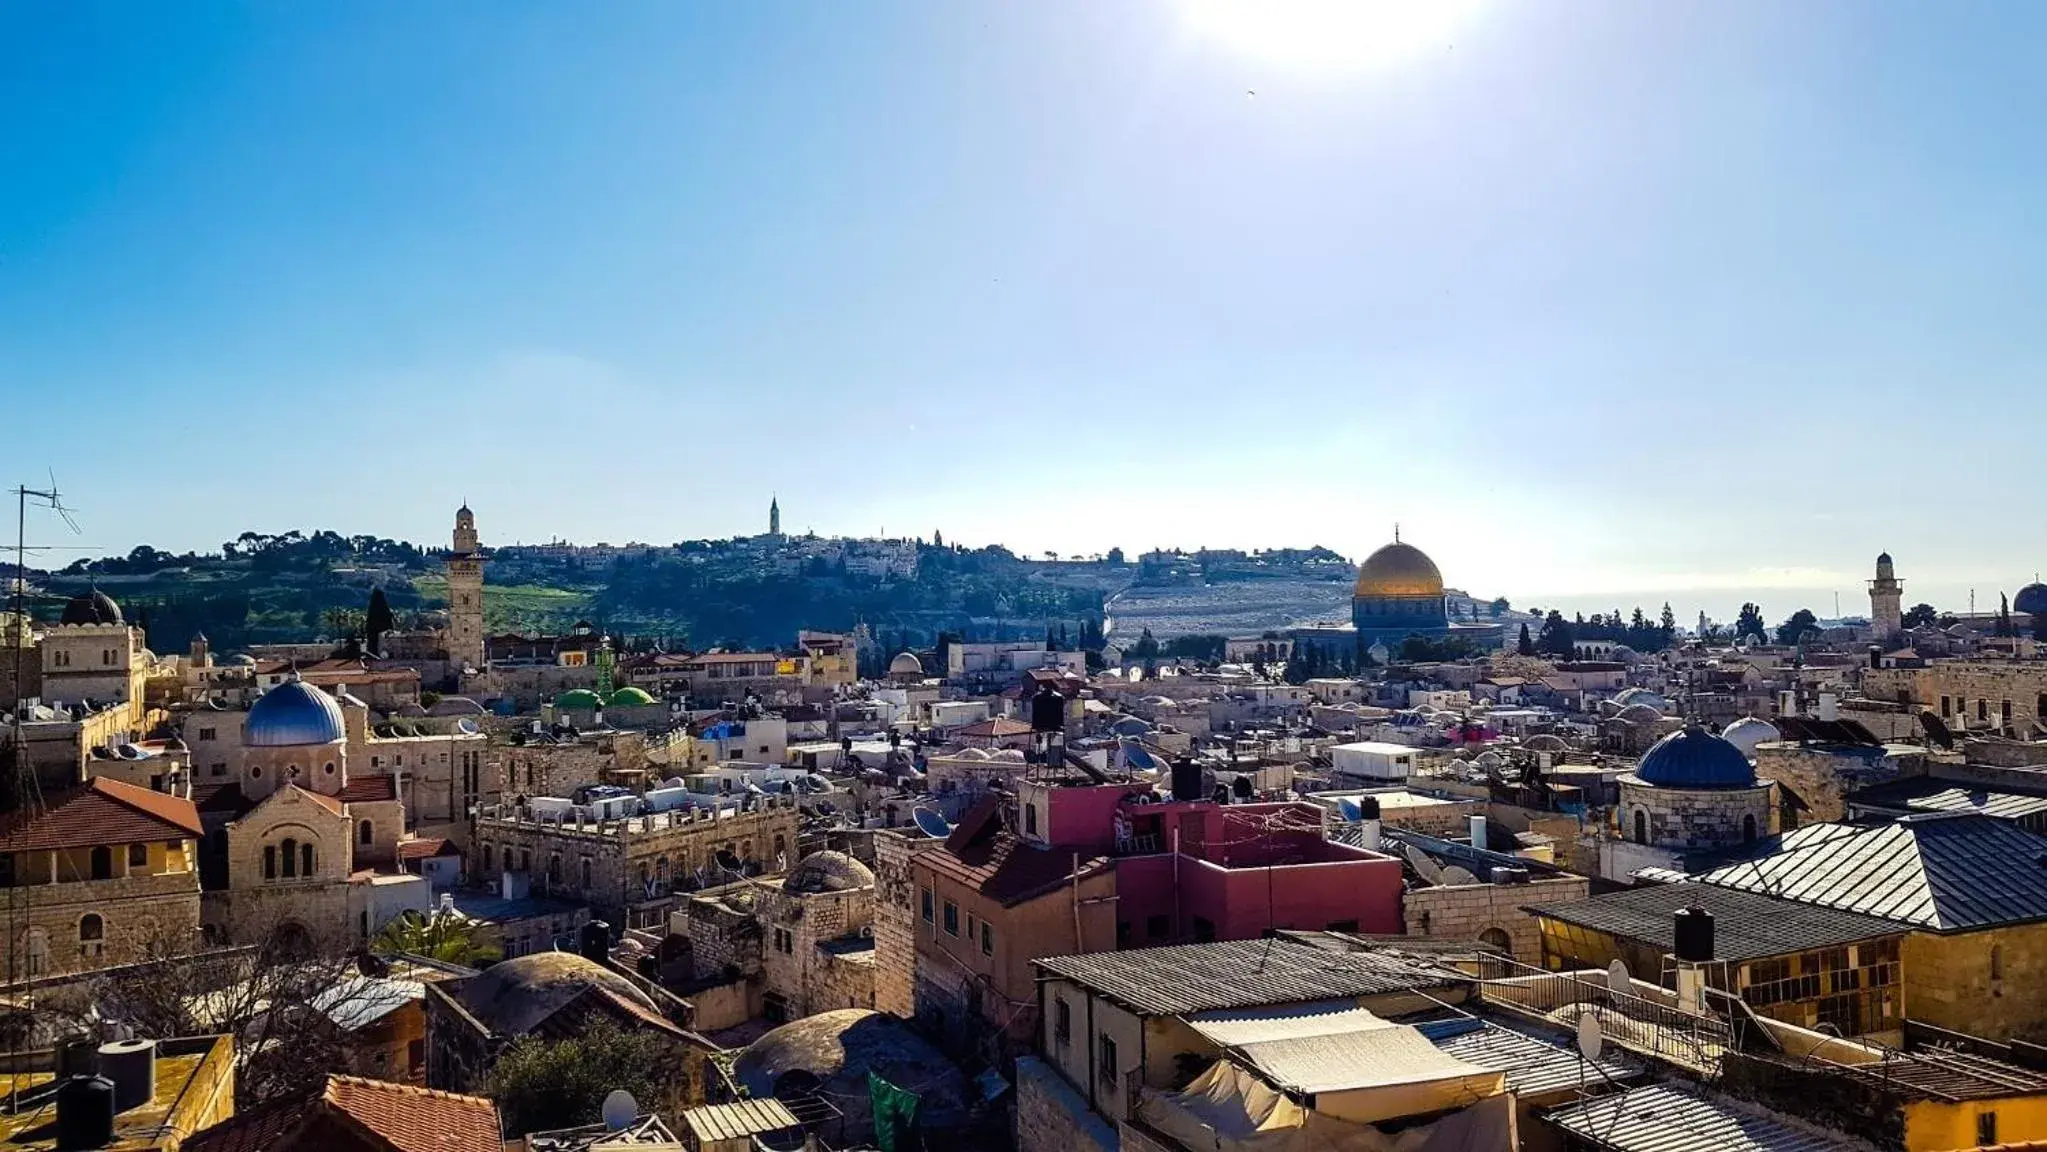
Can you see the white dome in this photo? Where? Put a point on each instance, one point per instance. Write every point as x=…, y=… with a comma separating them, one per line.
x=972, y=754
x=1008, y=756
x=1748, y=732
x=906, y=664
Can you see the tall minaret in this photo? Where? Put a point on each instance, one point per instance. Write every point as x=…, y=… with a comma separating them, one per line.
x=1886, y=600
x=774, y=516
x=465, y=593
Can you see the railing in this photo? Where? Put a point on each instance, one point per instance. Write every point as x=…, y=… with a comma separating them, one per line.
x=1642, y=1021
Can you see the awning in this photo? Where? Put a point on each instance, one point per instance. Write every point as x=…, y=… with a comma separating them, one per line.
x=1229, y=1027
x=1378, y=1073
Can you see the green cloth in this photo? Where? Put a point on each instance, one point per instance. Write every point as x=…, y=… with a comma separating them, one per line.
x=895, y=1115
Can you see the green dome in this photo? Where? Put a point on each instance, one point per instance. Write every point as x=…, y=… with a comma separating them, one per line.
x=630, y=696
x=579, y=699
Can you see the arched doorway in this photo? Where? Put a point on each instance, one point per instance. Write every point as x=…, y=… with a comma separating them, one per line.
x=1497, y=938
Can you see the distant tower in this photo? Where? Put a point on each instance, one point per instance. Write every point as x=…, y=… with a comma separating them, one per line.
x=1886, y=600
x=774, y=517
x=465, y=593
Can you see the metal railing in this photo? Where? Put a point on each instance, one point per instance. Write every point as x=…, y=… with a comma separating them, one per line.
x=1642, y=1023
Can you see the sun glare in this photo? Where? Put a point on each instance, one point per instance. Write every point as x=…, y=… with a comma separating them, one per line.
x=1332, y=35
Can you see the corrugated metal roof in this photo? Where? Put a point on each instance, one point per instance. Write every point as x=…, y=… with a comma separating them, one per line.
x=1533, y=1066
x=1240, y=974
x=1233, y=1026
x=714, y=1122
x=1671, y=1118
x=1746, y=925
x=1347, y=1061
x=1940, y=872
x=1929, y=794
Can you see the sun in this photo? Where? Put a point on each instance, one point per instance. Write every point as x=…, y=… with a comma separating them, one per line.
x=1331, y=35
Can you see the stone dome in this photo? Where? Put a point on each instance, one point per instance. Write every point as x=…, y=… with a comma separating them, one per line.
x=1638, y=714
x=94, y=607
x=1748, y=732
x=630, y=696
x=906, y=664
x=1546, y=742
x=2031, y=600
x=1645, y=696
x=833, y=1052
x=1695, y=758
x=579, y=700
x=514, y=996
x=828, y=872
x=1399, y=570
x=294, y=714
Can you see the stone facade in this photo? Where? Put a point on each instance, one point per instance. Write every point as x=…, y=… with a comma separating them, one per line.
x=1686, y=819
x=819, y=952
x=149, y=909
x=1052, y=1117
x=1489, y=913
x=1977, y=695
x=465, y=594
x=895, y=923
x=1823, y=775
x=557, y=769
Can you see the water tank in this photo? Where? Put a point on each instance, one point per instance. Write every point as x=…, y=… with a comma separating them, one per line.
x=1048, y=711
x=1186, y=779
x=1368, y=807
x=596, y=941
x=131, y=1065
x=1241, y=787
x=1694, y=935
x=85, y=1113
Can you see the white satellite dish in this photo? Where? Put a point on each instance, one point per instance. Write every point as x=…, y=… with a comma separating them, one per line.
x=620, y=1109
x=1456, y=877
x=1618, y=980
x=1424, y=867
x=1590, y=1041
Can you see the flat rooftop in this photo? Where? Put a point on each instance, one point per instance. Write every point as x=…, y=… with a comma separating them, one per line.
x=150, y=1126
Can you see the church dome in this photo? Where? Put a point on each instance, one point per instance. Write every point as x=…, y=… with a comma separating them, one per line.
x=513, y=996
x=1399, y=570
x=1748, y=732
x=579, y=700
x=293, y=714
x=906, y=664
x=2031, y=600
x=94, y=607
x=630, y=696
x=1695, y=758
x=828, y=872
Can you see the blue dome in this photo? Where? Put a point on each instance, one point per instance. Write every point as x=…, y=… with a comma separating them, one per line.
x=291, y=714
x=2031, y=600
x=1695, y=758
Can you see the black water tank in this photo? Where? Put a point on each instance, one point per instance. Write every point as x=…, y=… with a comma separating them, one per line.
x=1048, y=711
x=85, y=1113
x=596, y=941
x=1694, y=935
x=1876, y=655
x=1186, y=779
x=1241, y=787
x=1368, y=807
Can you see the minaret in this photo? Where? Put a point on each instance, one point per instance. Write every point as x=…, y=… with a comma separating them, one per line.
x=465, y=593
x=774, y=517
x=1886, y=600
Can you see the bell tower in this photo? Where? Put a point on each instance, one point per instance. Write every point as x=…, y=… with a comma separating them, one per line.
x=465, y=593
x=1886, y=599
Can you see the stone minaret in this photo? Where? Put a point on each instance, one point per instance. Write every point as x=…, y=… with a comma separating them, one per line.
x=465, y=593
x=774, y=516
x=1886, y=600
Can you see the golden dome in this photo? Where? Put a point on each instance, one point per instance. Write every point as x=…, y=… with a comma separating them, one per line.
x=1399, y=570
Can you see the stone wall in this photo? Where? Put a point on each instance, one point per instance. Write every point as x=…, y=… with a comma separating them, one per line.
x=895, y=929
x=1471, y=911
x=140, y=916
x=1052, y=1117
x=1823, y=775
x=1991, y=983
x=1685, y=819
x=1967, y=693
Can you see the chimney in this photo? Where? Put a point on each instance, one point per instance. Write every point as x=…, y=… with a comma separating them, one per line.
x=1830, y=707
x=1368, y=834
x=1478, y=839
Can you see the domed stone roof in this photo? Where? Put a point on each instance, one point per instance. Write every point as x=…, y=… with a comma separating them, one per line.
x=630, y=696
x=2031, y=600
x=835, y=1051
x=94, y=607
x=294, y=714
x=1546, y=742
x=1399, y=570
x=511, y=998
x=1695, y=758
x=1748, y=732
x=828, y=872
x=906, y=664
x=579, y=699
x=1639, y=714
x=1645, y=696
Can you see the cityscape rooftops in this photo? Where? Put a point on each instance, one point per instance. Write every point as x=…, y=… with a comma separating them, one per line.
x=1747, y=925
x=100, y=812
x=1184, y=978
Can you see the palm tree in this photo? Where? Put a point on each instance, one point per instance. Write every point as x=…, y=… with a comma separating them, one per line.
x=444, y=936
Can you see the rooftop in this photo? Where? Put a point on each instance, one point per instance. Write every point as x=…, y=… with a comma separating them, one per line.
x=1746, y=925
x=1675, y=1118
x=1240, y=974
x=1534, y=1066
x=374, y=1113
x=102, y=812
x=1932, y=794
x=179, y=1102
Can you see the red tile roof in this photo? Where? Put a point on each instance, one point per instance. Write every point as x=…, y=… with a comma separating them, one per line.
x=998, y=864
x=422, y=849
x=365, y=789
x=357, y=1113
x=101, y=812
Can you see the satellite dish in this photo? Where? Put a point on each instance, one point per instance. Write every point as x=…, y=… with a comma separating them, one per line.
x=931, y=822
x=1350, y=811
x=1455, y=876
x=1936, y=730
x=620, y=1109
x=1618, y=980
x=1590, y=1041
x=1422, y=865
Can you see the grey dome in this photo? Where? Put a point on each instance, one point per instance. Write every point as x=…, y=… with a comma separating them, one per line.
x=906, y=664
x=292, y=714
x=828, y=872
x=511, y=998
x=1748, y=732
x=94, y=607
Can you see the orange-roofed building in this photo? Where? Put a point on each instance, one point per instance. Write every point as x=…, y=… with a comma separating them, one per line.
x=351, y=1114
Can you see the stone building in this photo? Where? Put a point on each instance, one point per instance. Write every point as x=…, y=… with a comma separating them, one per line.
x=819, y=940
x=1693, y=793
x=556, y=764
x=630, y=871
x=895, y=918
x=1989, y=696
x=1886, y=600
x=465, y=593
x=107, y=873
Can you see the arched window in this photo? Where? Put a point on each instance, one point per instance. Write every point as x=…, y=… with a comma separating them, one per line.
x=486, y=857
x=269, y=861
x=367, y=833
x=306, y=859
x=1997, y=961
x=91, y=929
x=1748, y=829
x=1641, y=826
x=661, y=869
x=586, y=873
x=103, y=863
x=291, y=859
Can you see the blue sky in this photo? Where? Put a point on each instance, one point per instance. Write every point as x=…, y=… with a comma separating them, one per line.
x=1603, y=302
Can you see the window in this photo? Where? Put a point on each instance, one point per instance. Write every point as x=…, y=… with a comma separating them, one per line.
x=554, y=869
x=1641, y=826
x=219, y=768
x=1748, y=829
x=92, y=934
x=103, y=863
x=366, y=833
x=1030, y=820
x=1997, y=961
x=207, y=734
x=525, y=859
x=1158, y=927
x=952, y=918
x=588, y=868
x=1062, y=1022
x=255, y=771
x=1106, y=1063
x=415, y=1056
x=270, y=862
x=486, y=857
x=1982, y=709
x=2005, y=711
x=987, y=939
x=1986, y=1127
x=306, y=859
x=138, y=855
x=1946, y=707
x=106, y=656
x=925, y=896
x=1204, y=930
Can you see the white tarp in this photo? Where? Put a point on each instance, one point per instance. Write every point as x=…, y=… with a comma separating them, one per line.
x=1230, y=1027
x=1228, y=1109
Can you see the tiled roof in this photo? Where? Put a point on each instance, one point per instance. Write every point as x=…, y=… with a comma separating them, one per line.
x=412, y=1119
x=366, y=789
x=1746, y=925
x=1240, y=974
x=423, y=849
x=1932, y=794
x=102, y=812
x=995, y=862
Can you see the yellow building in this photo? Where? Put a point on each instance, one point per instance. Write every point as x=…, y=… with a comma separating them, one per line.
x=195, y=1089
